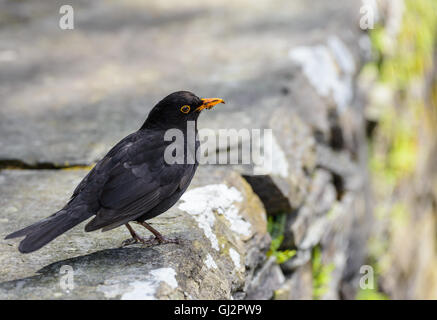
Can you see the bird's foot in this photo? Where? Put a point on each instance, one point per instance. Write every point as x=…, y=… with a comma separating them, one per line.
x=152, y=241
x=129, y=242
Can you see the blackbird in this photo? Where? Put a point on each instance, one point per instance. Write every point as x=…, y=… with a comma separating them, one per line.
x=133, y=182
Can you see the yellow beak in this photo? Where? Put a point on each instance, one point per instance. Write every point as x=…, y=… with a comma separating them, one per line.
x=209, y=103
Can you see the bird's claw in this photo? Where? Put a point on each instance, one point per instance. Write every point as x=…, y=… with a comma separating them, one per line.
x=165, y=240
x=129, y=242
x=152, y=241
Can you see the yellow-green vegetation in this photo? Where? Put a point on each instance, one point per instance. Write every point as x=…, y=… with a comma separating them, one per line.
x=401, y=64
x=377, y=248
x=276, y=227
x=321, y=273
x=411, y=53
x=371, y=294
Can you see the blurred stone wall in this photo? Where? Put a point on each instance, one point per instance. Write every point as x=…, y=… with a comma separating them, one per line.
x=68, y=96
x=402, y=112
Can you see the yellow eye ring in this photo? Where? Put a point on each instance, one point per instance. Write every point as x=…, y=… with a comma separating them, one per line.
x=185, y=109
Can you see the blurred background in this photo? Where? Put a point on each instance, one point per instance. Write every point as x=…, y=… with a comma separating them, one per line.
x=401, y=114
x=66, y=96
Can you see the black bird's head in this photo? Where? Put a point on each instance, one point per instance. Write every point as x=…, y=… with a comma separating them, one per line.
x=177, y=108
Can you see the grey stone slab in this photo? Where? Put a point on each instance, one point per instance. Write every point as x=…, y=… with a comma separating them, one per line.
x=219, y=220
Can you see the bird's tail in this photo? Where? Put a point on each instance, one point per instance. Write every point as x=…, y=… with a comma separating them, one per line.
x=44, y=231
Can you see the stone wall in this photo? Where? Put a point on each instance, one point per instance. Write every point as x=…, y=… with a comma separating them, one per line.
x=282, y=65
x=401, y=86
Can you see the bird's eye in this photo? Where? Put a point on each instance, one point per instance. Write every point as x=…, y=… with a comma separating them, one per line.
x=185, y=109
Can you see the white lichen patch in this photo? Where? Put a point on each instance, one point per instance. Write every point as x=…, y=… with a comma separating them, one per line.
x=342, y=55
x=167, y=275
x=202, y=202
x=235, y=256
x=209, y=262
x=112, y=288
x=236, y=222
x=142, y=289
x=329, y=68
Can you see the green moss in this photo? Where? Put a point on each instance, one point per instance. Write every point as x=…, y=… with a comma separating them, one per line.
x=276, y=226
x=401, y=62
x=376, y=249
x=400, y=66
x=333, y=212
x=411, y=55
x=321, y=273
x=371, y=294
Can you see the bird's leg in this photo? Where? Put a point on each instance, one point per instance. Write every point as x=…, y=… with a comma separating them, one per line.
x=135, y=238
x=159, y=237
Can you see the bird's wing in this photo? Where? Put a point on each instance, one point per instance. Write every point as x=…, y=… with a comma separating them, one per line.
x=100, y=172
x=137, y=181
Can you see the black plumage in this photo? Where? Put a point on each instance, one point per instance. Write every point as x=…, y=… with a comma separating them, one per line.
x=133, y=182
